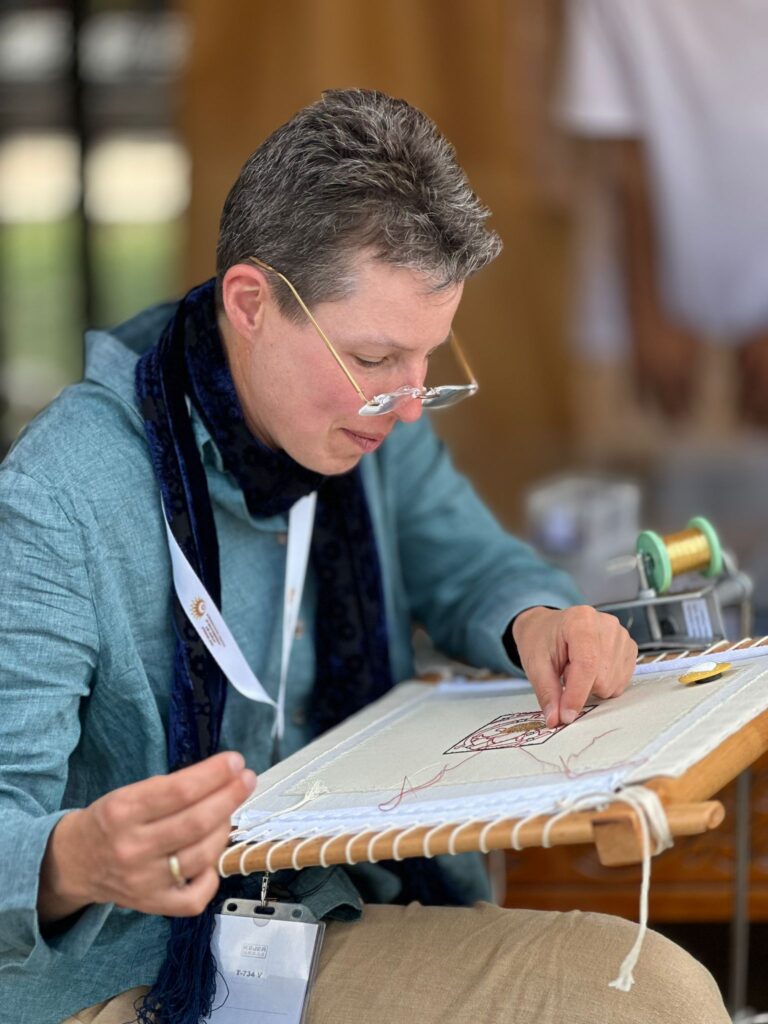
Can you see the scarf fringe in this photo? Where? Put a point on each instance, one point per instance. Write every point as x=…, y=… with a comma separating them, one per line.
x=186, y=984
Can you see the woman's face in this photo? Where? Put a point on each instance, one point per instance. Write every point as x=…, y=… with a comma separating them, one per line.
x=294, y=394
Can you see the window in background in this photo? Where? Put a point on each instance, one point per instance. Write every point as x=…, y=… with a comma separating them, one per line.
x=94, y=183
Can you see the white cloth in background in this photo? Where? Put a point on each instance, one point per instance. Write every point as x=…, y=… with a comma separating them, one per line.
x=690, y=79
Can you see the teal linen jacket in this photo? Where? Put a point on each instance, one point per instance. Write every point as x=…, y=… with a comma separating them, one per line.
x=86, y=645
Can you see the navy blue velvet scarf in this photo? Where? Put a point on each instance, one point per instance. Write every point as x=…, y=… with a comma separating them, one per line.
x=352, y=658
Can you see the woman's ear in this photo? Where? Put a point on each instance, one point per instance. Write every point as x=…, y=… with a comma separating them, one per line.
x=245, y=291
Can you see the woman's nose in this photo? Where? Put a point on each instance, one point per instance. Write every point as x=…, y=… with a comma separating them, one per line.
x=410, y=410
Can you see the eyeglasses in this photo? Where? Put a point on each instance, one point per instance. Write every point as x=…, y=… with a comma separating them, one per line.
x=433, y=398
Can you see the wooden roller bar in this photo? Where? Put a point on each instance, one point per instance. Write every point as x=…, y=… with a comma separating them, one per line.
x=615, y=831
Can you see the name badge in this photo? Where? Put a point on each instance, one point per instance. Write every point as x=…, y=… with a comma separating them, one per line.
x=266, y=956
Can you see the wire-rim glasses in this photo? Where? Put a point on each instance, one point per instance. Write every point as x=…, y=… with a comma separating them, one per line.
x=439, y=397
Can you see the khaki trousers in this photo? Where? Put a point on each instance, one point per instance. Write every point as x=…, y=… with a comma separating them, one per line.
x=487, y=965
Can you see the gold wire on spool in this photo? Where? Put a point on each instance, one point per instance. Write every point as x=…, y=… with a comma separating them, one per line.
x=696, y=548
x=687, y=550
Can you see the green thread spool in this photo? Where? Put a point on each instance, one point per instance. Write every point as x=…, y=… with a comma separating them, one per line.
x=695, y=549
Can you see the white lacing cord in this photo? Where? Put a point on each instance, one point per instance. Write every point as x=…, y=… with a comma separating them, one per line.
x=396, y=855
x=712, y=648
x=353, y=839
x=241, y=868
x=428, y=839
x=271, y=852
x=316, y=790
x=653, y=821
x=225, y=853
x=374, y=839
x=567, y=808
x=324, y=847
x=249, y=837
x=322, y=855
x=299, y=847
x=591, y=802
x=455, y=833
x=515, y=837
x=483, y=840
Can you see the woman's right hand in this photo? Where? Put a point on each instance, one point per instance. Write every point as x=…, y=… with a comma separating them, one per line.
x=117, y=850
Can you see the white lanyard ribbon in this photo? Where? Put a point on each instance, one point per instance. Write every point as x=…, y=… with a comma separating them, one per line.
x=209, y=623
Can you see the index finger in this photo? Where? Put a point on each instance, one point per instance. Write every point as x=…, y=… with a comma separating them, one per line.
x=163, y=795
x=580, y=674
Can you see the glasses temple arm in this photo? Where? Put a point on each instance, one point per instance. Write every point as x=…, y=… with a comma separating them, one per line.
x=316, y=325
x=459, y=352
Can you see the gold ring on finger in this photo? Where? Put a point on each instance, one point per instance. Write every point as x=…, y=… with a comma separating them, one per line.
x=175, y=868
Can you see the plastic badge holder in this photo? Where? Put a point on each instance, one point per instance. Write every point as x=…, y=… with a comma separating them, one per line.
x=267, y=956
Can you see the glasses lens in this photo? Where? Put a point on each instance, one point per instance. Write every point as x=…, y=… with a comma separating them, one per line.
x=448, y=394
x=380, y=405
x=432, y=398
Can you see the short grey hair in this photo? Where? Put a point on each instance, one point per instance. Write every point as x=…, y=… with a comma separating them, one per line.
x=355, y=171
